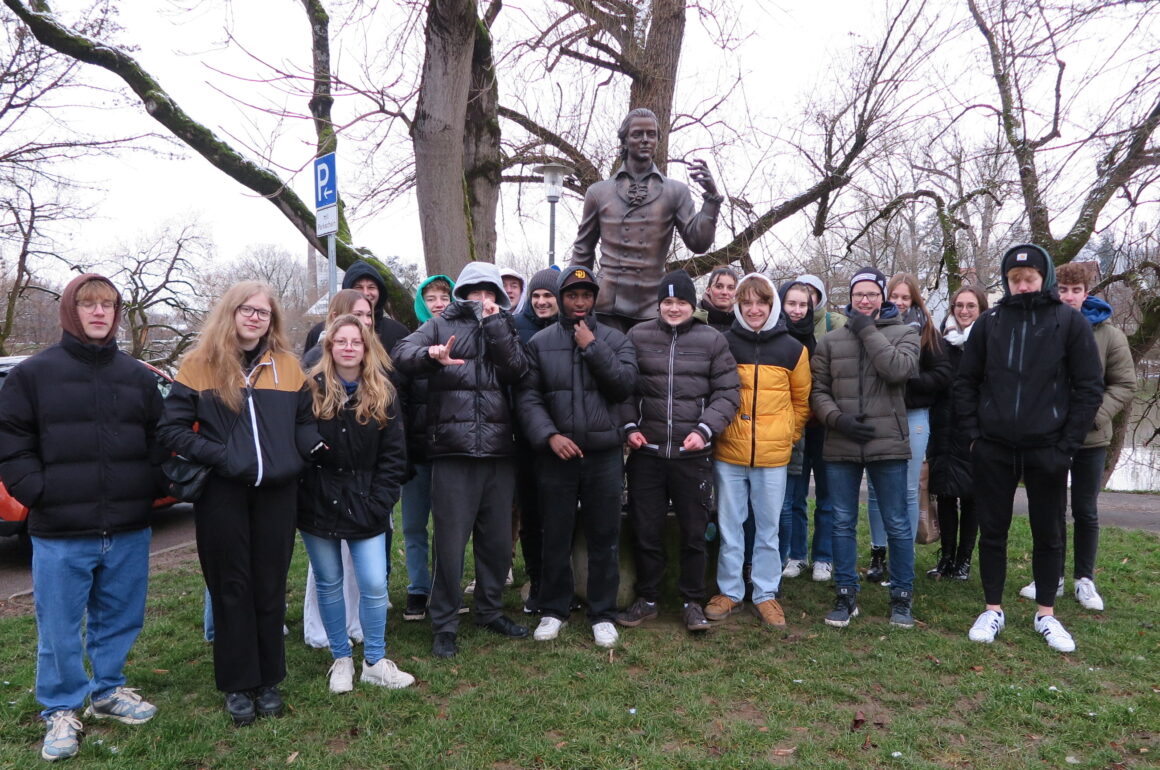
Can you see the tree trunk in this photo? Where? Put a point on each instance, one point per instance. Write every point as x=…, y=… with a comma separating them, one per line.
x=655, y=80
x=481, y=153
x=437, y=135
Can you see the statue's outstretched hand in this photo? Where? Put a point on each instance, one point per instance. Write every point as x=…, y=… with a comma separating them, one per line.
x=699, y=173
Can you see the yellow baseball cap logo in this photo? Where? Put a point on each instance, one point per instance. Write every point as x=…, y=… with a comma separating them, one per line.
x=580, y=274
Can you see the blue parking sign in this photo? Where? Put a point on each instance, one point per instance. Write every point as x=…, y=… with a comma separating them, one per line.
x=325, y=182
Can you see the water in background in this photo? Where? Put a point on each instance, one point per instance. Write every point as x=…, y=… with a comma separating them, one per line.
x=1137, y=471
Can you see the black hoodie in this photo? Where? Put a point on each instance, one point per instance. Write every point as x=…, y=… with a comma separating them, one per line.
x=389, y=330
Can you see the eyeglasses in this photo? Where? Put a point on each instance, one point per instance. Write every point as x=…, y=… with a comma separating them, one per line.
x=963, y=306
x=860, y=297
x=353, y=343
x=250, y=312
x=92, y=304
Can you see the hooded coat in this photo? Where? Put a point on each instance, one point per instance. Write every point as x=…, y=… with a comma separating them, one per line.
x=389, y=330
x=1030, y=374
x=468, y=410
x=415, y=389
x=865, y=373
x=1119, y=370
x=78, y=432
x=774, y=370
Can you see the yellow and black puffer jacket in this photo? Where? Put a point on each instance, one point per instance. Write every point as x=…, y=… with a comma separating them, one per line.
x=774, y=369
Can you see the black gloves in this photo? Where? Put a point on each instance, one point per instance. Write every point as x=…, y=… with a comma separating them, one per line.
x=858, y=322
x=856, y=427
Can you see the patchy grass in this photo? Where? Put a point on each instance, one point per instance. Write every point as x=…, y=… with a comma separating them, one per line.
x=740, y=696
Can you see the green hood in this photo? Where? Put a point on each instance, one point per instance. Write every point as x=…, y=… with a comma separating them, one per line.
x=421, y=311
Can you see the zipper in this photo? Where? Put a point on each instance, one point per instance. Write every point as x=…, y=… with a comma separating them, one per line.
x=861, y=393
x=669, y=407
x=753, y=411
x=253, y=375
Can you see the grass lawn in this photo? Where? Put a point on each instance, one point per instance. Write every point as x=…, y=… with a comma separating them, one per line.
x=867, y=696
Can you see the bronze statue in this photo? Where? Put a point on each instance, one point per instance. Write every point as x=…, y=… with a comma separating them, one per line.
x=633, y=215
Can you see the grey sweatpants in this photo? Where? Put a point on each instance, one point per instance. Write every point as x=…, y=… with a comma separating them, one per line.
x=470, y=497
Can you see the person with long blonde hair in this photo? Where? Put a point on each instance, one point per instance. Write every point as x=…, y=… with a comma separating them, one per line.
x=348, y=491
x=250, y=399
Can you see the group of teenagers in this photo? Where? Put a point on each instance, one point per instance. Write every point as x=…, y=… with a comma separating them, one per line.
x=519, y=396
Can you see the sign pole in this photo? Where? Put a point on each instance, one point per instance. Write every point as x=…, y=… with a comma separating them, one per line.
x=326, y=213
x=332, y=265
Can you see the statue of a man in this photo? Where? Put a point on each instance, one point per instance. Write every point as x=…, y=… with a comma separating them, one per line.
x=633, y=215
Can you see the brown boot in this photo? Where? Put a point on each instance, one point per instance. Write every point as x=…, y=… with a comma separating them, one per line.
x=770, y=613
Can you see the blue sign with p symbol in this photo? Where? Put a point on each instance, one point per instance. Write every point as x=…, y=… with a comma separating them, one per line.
x=325, y=181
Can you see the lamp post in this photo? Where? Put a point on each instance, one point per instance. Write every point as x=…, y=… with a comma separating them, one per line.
x=554, y=174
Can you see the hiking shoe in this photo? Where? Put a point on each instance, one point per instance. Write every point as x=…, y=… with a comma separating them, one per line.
x=605, y=634
x=794, y=568
x=386, y=674
x=124, y=705
x=823, y=571
x=770, y=613
x=63, y=738
x=342, y=675
x=637, y=613
x=268, y=701
x=900, y=609
x=548, y=629
x=240, y=707
x=416, y=607
x=721, y=607
x=987, y=626
x=444, y=645
x=845, y=607
x=1053, y=631
x=1028, y=591
x=876, y=572
x=694, y=618
x=1087, y=596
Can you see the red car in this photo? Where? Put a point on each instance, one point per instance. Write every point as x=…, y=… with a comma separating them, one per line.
x=13, y=515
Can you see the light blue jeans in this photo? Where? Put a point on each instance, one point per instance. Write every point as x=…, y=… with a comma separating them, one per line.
x=737, y=486
x=890, y=477
x=105, y=578
x=919, y=421
x=416, y=512
x=370, y=566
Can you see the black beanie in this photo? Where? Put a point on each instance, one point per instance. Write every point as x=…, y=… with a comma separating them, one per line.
x=869, y=273
x=545, y=279
x=1026, y=255
x=678, y=284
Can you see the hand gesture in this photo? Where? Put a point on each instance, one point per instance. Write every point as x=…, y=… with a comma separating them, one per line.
x=564, y=447
x=694, y=442
x=489, y=307
x=442, y=353
x=635, y=440
x=583, y=335
x=699, y=173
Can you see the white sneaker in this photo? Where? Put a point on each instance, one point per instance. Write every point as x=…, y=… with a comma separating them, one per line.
x=62, y=739
x=1056, y=635
x=469, y=590
x=1028, y=591
x=548, y=629
x=1087, y=596
x=386, y=674
x=987, y=626
x=509, y=580
x=823, y=571
x=605, y=635
x=342, y=675
x=793, y=568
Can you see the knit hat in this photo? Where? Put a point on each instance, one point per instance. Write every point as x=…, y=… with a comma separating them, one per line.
x=546, y=279
x=577, y=276
x=869, y=273
x=678, y=284
x=1025, y=255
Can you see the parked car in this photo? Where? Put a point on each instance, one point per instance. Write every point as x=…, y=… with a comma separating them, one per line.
x=13, y=515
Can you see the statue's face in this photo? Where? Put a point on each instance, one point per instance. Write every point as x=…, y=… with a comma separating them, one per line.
x=641, y=142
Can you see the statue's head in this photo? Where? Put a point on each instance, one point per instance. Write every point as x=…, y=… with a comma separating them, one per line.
x=622, y=132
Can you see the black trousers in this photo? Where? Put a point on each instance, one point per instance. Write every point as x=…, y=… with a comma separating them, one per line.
x=1087, y=475
x=531, y=518
x=245, y=537
x=594, y=481
x=470, y=498
x=959, y=527
x=997, y=471
x=652, y=483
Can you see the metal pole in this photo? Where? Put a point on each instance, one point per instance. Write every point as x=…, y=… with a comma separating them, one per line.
x=332, y=267
x=552, y=233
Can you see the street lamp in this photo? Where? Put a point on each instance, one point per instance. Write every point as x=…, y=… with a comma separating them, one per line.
x=554, y=174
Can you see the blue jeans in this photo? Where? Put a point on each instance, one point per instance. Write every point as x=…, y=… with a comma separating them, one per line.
x=105, y=578
x=416, y=512
x=737, y=487
x=794, y=522
x=919, y=421
x=796, y=525
x=889, y=476
x=370, y=567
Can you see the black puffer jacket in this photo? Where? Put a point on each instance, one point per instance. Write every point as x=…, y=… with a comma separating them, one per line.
x=468, y=411
x=574, y=392
x=948, y=450
x=1030, y=375
x=688, y=382
x=78, y=443
x=347, y=493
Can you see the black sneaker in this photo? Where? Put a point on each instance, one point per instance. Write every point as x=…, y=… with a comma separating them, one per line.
x=876, y=572
x=637, y=613
x=693, y=616
x=944, y=568
x=444, y=645
x=240, y=707
x=268, y=701
x=900, y=614
x=416, y=608
x=505, y=626
x=845, y=607
x=961, y=570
